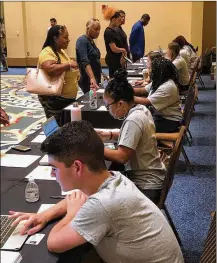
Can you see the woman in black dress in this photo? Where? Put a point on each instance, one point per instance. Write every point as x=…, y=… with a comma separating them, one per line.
x=88, y=56
x=114, y=47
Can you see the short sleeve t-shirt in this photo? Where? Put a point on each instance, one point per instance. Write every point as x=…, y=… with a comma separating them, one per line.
x=182, y=69
x=189, y=56
x=111, y=36
x=125, y=226
x=137, y=132
x=70, y=86
x=166, y=100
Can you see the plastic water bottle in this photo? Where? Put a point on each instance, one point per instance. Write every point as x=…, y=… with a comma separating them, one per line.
x=92, y=99
x=75, y=112
x=32, y=191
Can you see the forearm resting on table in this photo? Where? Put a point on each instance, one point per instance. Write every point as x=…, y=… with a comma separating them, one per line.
x=63, y=237
x=121, y=155
x=140, y=91
x=142, y=100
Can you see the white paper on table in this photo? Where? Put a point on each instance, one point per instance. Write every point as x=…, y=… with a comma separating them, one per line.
x=41, y=133
x=41, y=173
x=44, y=160
x=39, y=139
x=138, y=64
x=18, y=160
x=71, y=106
x=10, y=257
x=106, y=130
x=68, y=192
x=44, y=207
x=102, y=108
x=134, y=78
x=100, y=91
x=130, y=71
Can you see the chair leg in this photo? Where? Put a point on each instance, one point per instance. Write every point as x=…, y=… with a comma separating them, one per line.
x=188, y=131
x=187, y=160
x=172, y=225
x=201, y=81
x=189, y=141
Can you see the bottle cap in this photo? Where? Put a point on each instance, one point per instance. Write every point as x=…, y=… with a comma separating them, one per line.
x=91, y=92
x=31, y=179
x=75, y=104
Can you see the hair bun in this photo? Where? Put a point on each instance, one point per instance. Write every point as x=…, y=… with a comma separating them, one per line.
x=120, y=75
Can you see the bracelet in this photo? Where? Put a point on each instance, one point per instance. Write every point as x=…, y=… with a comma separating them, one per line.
x=111, y=135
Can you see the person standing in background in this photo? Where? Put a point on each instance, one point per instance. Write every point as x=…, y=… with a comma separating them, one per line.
x=53, y=60
x=2, y=45
x=53, y=22
x=88, y=56
x=114, y=48
x=137, y=38
x=122, y=34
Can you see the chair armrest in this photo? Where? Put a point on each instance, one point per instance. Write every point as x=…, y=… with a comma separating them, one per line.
x=167, y=136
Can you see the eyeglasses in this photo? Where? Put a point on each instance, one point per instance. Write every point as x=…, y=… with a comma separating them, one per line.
x=107, y=106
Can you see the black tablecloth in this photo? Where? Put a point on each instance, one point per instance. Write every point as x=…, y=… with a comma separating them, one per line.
x=99, y=119
x=13, y=198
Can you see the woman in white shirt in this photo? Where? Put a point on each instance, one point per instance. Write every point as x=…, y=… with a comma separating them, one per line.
x=187, y=51
x=137, y=145
x=162, y=95
x=179, y=62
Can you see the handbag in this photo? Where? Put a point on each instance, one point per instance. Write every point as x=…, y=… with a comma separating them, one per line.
x=38, y=82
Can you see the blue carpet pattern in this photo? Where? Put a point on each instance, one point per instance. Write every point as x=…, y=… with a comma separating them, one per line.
x=192, y=198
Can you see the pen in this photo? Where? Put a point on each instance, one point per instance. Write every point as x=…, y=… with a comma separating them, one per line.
x=57, y=197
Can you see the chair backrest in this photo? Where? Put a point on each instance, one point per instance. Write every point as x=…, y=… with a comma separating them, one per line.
x=189, y=105
x=209, y=252
x=171, y=167
x=194, y=72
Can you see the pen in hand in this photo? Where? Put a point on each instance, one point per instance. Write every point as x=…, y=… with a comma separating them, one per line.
x=57, y=197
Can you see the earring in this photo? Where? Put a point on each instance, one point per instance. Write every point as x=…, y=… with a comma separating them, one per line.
x=125, y=115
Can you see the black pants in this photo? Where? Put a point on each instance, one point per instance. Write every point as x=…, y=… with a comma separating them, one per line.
x=53, y=106
x=165, y=125
x=113, y=64
x=135, y=58
x=152, y=194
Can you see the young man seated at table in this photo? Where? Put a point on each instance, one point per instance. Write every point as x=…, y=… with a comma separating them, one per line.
x=108, y=211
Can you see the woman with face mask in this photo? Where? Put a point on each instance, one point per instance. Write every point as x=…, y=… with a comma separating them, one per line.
x=88, y=56
x=137, y=145
x=53, y=60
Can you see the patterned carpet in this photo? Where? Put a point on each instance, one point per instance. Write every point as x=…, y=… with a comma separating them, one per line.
x=24, y=110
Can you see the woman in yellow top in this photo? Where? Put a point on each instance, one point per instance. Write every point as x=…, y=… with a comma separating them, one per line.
x=54, y=61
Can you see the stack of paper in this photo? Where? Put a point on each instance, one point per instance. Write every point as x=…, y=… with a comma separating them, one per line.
x=10, y=257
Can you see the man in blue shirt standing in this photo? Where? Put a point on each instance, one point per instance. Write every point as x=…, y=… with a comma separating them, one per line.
x=137, y=38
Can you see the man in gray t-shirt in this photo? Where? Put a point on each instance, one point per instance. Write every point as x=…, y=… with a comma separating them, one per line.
x=107, y=211
x=125, y=226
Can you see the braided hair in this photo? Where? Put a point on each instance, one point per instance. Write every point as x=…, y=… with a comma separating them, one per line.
x=53, y=32
x=162, y=71
x=119, y=88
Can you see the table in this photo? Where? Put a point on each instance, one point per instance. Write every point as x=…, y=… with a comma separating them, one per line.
x=99, y=119
x=13, y=198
